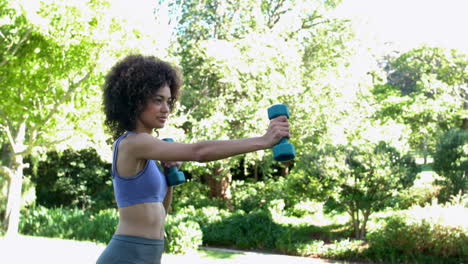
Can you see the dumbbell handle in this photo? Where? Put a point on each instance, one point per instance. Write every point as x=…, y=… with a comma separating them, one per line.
x=284, y=140
x=173, y=170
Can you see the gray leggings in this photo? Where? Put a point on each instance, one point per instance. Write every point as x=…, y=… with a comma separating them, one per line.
x=124, y=249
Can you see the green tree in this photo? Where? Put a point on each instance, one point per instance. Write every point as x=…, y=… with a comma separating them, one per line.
x=451, y=162
x=359, y=179
x=426, y=89
x=50, y=81
x=228, y=95
x=239, y=58
x=319, y=104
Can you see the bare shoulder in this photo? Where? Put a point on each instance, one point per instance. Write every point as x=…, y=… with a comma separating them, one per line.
x=141, y=146
x=138, y=140
x=146, y=147
x=138, y=137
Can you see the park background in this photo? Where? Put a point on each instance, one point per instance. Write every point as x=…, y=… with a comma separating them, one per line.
x=378, y=97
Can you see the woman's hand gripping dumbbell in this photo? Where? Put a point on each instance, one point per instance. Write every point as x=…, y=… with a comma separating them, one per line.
x=283, y=151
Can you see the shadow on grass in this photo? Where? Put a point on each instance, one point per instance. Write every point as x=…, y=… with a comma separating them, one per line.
x=326, y=233
x=425, y=167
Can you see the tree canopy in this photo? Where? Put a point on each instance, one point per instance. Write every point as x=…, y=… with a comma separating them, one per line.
x=51, y=74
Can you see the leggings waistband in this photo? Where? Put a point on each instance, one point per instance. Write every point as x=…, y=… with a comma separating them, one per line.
x=138, y=240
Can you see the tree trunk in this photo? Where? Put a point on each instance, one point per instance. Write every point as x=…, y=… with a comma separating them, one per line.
x=15, y=178
x=465, y=107
x=425, y=151
x=12, y=214
x=256, y=172
x=220, y=183
x=357, y=223
x=366, y=215
x=285, y=168
x=354, y=212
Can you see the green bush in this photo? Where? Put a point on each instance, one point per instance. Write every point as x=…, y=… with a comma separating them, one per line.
x=77, y=224
x=304, y=248
x=73, y=179
x=194, y=194
x=420, y=194
x=204, y=216
x=402, y=239
x=182, y=236
x=250, y=197
x=69, y=223
x=310, y=240
x=254, y=230
x=343, y=249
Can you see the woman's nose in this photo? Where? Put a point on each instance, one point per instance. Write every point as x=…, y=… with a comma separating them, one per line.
x=165, y=107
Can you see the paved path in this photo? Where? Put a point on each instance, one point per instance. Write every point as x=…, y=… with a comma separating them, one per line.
x=38, y=250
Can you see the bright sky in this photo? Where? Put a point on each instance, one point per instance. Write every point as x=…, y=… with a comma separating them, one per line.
x=409, y=23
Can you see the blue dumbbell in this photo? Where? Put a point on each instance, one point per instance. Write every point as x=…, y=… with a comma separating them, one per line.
x=174, y=176
x=283, y=151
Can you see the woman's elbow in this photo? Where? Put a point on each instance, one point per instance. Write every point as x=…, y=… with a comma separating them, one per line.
x=200, y=154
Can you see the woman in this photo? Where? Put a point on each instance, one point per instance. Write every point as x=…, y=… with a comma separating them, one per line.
x=139, y=94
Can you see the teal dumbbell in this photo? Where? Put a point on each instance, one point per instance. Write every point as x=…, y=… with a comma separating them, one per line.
x=174, y=176
x=283, y=151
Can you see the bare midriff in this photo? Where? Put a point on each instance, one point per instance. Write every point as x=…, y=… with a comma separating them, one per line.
x=143, y=220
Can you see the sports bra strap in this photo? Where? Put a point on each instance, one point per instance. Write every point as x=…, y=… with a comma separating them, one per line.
x=116, y=150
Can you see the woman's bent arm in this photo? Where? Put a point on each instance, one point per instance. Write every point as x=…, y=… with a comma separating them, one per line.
x=168, y=199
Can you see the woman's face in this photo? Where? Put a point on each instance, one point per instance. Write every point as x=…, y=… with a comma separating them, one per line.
x=156, y=111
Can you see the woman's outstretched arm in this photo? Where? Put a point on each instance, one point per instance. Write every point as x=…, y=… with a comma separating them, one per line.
x=145, y=146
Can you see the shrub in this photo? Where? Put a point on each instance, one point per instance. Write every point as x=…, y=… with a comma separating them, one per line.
x=77, y=224
x=297, y=241
x=69, y=223
x=310, y=240
x=401, y=238
x=203, y=216
x=343, y=249
x=420, y=194
x=250, y=197
x=194, y=194
x=308, y=248
x=182, y=236
x=101, y=226
x=451, y=162
x=254, y=230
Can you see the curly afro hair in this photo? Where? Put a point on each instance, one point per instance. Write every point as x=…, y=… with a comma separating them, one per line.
x=128, y=86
